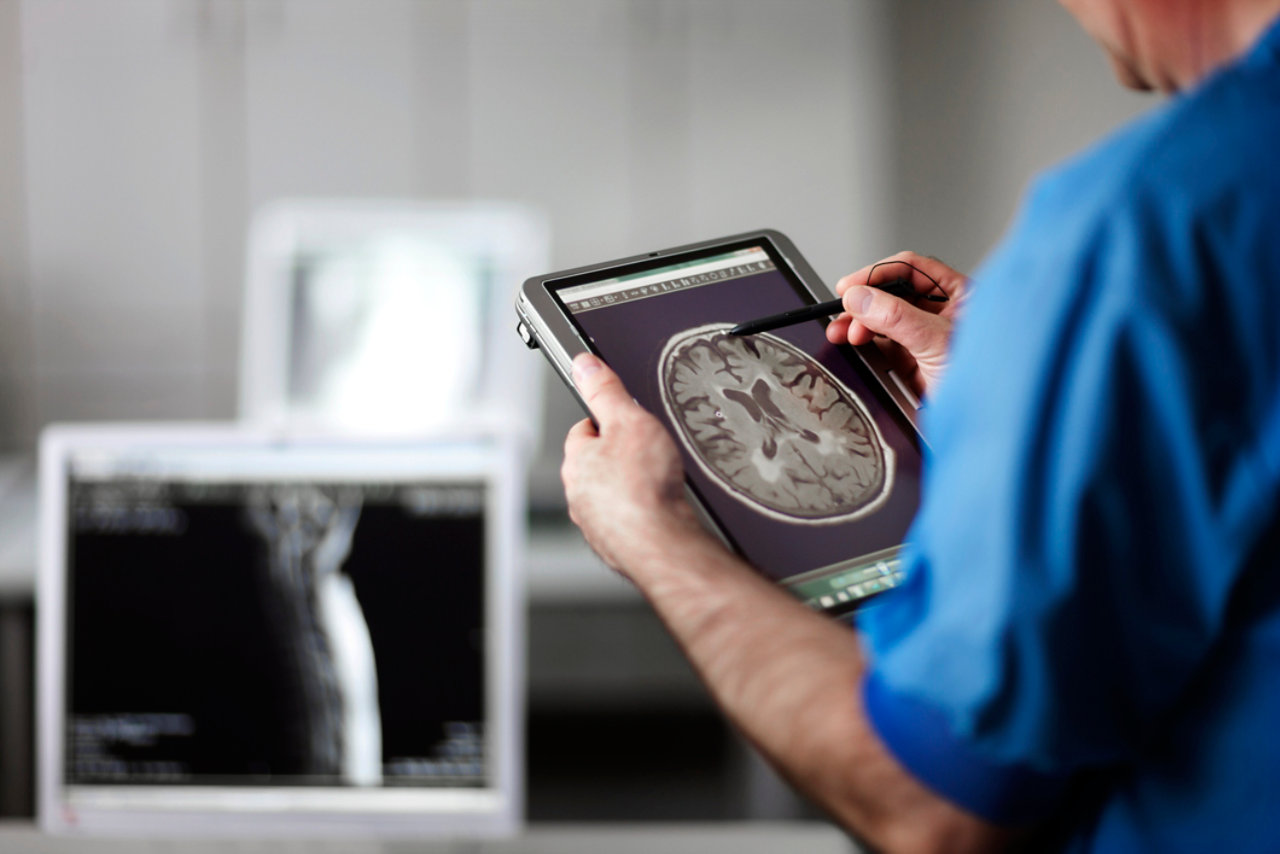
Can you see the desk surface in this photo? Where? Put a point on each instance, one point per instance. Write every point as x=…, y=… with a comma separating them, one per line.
x=725, y=838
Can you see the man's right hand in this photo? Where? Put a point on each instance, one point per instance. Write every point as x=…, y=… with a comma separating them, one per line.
x=915, y=337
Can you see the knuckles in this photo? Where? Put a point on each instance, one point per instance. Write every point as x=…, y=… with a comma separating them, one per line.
x=890, y=312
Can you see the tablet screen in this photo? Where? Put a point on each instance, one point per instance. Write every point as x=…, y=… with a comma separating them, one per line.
x=791, y=444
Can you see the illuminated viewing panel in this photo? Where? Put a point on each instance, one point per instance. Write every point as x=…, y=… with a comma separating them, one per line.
x=302, y=637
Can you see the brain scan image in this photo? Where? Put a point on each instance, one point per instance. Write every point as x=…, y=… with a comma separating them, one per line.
x=774, y=427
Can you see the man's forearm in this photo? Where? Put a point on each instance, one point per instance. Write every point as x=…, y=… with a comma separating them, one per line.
x=790, y=680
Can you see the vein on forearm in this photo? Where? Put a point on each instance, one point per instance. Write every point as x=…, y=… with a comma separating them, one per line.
x=789, y=679
x=786, y=677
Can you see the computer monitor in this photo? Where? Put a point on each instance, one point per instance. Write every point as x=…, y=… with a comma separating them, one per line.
x=239, y=636
x=380, y=317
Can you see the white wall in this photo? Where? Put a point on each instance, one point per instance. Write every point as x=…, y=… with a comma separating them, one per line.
x=152, y=129
x=989, y=92
x=113, y=153
x=16, y=411
x=137, y=136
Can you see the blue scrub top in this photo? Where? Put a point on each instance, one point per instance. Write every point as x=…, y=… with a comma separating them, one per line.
x=1089, y=633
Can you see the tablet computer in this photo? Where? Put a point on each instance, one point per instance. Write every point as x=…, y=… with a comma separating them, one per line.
x=804, y=456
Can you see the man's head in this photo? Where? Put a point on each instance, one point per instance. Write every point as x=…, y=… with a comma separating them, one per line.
x=1169, y=45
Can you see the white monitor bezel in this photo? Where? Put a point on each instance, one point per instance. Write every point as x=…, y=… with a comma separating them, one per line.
x=292, y=811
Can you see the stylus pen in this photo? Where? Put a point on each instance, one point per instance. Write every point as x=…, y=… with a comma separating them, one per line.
x=900, y=288
x=789, y=318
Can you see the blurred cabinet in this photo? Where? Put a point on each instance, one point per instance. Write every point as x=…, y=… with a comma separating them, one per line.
x=114, y=154
x=153, y=128
x=344, y=98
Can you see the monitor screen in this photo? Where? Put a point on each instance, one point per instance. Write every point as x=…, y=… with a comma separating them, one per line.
x=289, y=625
x=360, y=328
x=389, y=318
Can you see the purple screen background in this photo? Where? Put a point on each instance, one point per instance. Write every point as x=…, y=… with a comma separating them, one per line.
x=630, y=337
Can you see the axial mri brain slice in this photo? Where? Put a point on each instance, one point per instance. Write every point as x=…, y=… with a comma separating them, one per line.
x=773, y=426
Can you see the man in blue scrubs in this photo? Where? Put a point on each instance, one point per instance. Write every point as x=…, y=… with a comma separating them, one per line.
x=1086, y=652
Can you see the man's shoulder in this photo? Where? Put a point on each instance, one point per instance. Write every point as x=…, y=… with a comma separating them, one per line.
x=1216, y=143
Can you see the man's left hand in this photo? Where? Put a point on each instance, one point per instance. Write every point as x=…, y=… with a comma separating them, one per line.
x=623, y=479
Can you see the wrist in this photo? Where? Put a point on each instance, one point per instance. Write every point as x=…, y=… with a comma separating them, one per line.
x=668, y=533
x=679, y=552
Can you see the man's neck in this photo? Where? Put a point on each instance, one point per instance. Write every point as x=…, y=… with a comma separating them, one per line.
x=1208, y=34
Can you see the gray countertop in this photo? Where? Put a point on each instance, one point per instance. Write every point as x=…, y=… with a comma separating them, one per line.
x=723, y=838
